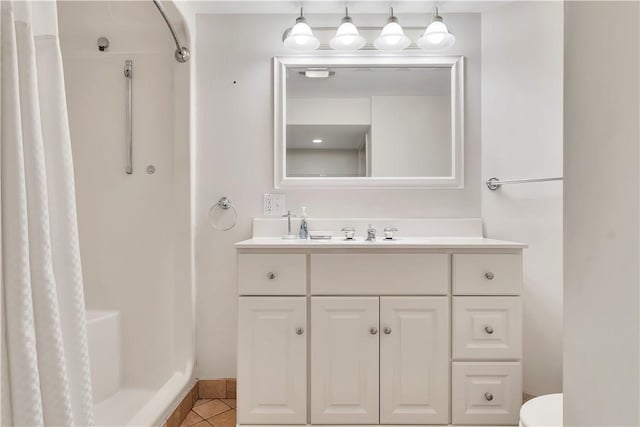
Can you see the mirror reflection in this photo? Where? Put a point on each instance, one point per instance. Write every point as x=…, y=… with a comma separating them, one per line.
x=368, y=121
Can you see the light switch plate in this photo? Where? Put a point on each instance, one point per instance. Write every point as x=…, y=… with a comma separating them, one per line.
x=273, y=204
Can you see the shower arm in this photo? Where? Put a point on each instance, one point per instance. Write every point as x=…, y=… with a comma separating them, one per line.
x=182, y=54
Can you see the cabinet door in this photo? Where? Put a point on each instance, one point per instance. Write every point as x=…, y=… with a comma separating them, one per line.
x=414, y=360
x=344, y=360
x=272, y=363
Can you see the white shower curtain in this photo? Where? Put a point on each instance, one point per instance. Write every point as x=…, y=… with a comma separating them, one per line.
x=45, y=362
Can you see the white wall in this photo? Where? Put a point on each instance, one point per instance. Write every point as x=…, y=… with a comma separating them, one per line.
x=235, y=158
x=134, y=229
x=522, y=58
x=421, y=146
x=321, y=162
x=328, y=111
x=601, y=152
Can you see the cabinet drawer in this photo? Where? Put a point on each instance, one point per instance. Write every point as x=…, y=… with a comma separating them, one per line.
x=272, y=274
x=486, y=393
x=379, y=274
x=487, y=328
x=487, y=274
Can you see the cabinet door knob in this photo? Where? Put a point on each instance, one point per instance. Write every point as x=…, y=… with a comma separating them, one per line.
x=387, y=330
x=489, y=275
x=299, y=331
x=488, y=396
x=488, y=329
x=271, y=275
x=373, y=331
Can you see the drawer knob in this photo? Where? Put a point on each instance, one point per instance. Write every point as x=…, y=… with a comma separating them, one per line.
x=489, y=275
x=271, y=275
x=387, y=330
x=488, y=396
x=299, y=331
x=488, y=329
x=373, y=331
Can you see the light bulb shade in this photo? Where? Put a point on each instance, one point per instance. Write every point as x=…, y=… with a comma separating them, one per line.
x=301, y=38
x=437, y=37
x=392, y=38
x=347, y=37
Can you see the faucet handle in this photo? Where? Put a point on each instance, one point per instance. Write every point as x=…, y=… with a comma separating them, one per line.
x=388, y=232
x=349, y=233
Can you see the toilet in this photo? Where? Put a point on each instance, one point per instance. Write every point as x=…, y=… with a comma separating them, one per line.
x=542, y=411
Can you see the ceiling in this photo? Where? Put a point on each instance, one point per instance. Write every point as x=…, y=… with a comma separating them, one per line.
x=334, y=137
x=376, y=81
x=332, y=6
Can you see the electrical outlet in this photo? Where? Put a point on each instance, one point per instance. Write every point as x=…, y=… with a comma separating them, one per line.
x=273, y=204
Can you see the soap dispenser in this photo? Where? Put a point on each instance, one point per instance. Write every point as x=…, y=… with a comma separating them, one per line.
x=304, y=231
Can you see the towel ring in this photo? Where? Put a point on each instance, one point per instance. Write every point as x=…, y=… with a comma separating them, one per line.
x=224, y=203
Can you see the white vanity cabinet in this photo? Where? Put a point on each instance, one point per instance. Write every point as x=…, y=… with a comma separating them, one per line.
x=419, y=334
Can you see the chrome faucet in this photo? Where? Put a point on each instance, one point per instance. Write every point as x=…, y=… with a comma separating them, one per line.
x=289, y=235
x=371, y=234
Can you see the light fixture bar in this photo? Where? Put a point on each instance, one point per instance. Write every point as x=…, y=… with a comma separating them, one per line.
x=392, y=37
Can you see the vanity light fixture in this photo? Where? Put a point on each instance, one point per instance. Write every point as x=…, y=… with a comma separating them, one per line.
x=437, y=37
x=347, y=37
x=317, y=141
x=300, y=37
x=392, y=36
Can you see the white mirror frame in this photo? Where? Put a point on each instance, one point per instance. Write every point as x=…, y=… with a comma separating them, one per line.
x=456, y=180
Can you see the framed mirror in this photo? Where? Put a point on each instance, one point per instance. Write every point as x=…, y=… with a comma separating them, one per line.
x=368, y=121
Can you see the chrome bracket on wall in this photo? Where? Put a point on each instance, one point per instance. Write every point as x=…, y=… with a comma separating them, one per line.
x=496, y=183
x=128, y=74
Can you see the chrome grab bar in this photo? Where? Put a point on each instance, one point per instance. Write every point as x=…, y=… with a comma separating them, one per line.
x=495, y=183
x=128, y=74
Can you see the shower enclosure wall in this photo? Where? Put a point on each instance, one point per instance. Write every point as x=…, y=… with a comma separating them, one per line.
x=135, y=229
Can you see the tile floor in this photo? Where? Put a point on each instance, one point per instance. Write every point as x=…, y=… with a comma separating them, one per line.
x=222, y=413
x=211, y=412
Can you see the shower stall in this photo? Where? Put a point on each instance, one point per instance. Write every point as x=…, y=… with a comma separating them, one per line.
x=127, y=82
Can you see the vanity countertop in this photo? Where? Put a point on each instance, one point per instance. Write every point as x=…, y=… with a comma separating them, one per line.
x=399, y=243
